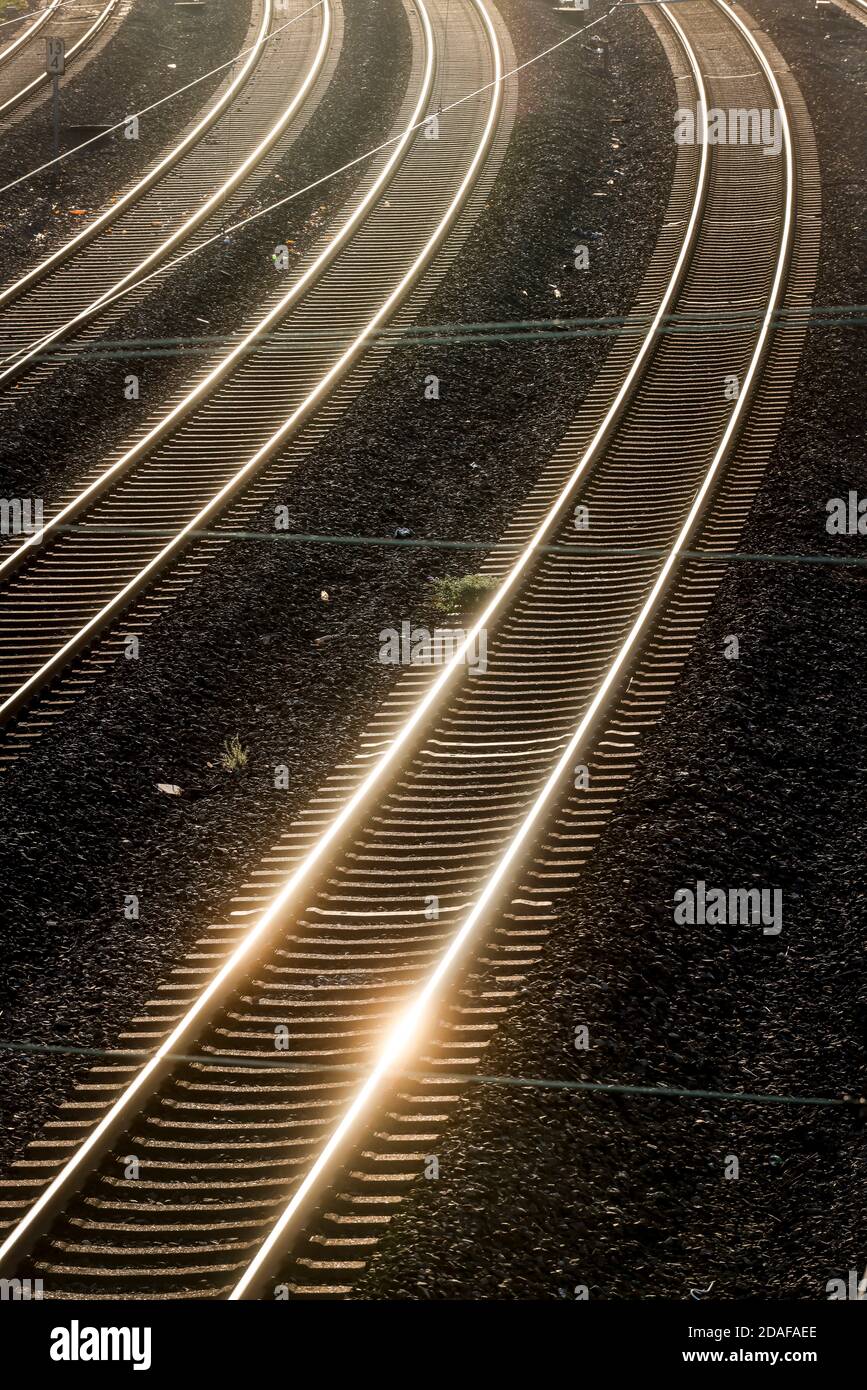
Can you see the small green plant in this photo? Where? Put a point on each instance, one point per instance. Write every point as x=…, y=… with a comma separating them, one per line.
x=461, y=593
x=233, y=754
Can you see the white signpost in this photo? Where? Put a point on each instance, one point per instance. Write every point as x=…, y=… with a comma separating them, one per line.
x=55, y=66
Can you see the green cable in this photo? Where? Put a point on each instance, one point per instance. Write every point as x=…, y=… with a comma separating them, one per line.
x=536, y=1083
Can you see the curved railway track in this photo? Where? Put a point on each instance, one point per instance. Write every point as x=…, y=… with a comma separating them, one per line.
x=218, y=161
x=22, y=62
x=274, y=1126
x=244, y=408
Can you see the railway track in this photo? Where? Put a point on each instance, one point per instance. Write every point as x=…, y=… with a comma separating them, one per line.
x=220, y=159
x=855, y=9
x=303, y=1061
x=213, y=440
x=22, y=62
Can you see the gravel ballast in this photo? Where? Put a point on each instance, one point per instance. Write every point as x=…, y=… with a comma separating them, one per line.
x=750, y=778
